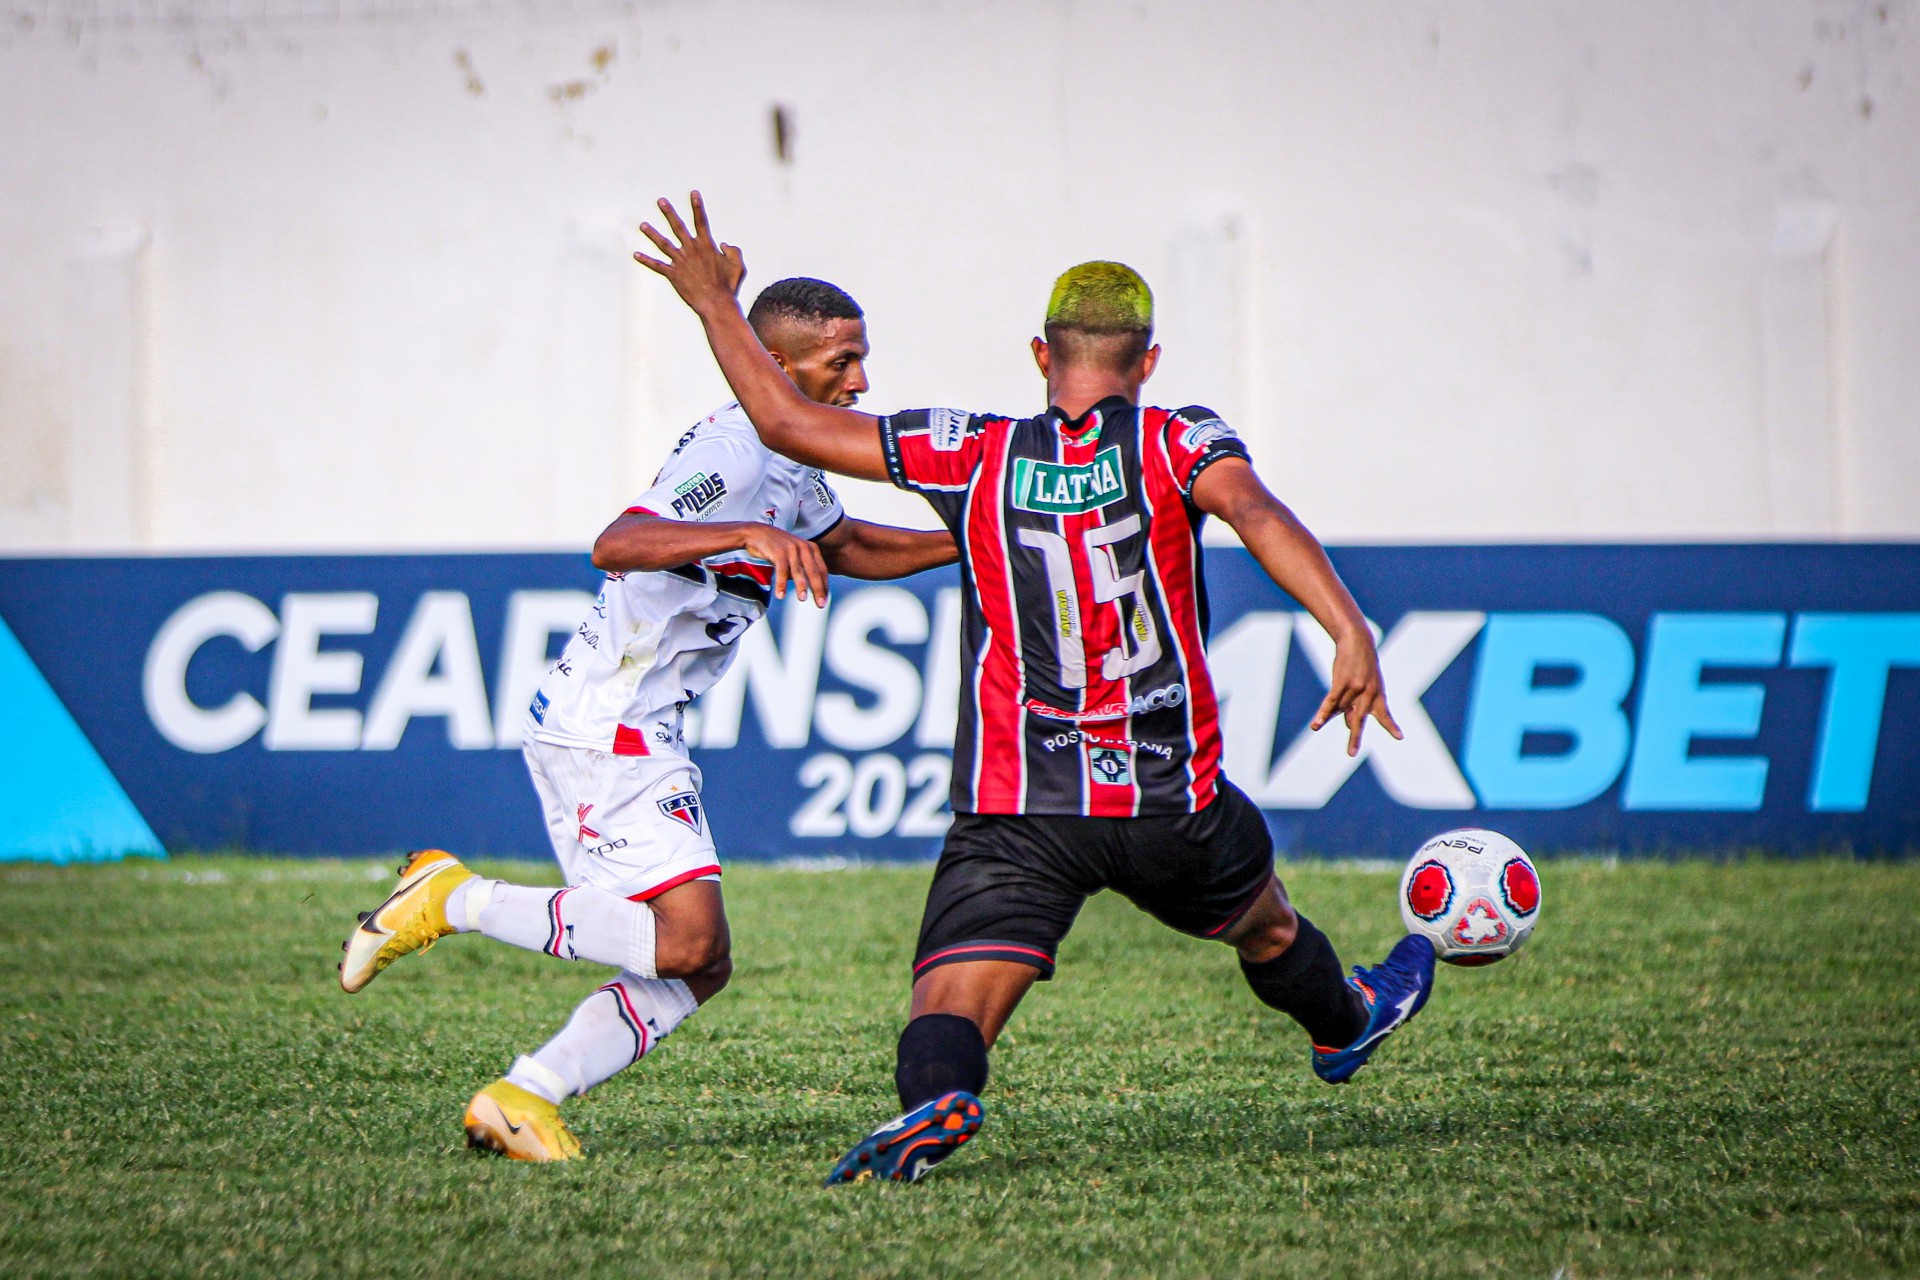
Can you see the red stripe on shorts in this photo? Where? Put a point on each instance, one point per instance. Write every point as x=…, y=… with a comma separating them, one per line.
x=983, y=946
x=647, y=895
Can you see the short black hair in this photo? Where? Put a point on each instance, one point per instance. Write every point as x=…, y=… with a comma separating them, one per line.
x=802, y=299
x=1116, y=350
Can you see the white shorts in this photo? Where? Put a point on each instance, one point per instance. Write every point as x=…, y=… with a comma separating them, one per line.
x=632, y=825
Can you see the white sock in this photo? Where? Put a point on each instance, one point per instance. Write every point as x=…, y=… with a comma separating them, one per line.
x=579, y=923
x=465, y=902
x=612, y=1029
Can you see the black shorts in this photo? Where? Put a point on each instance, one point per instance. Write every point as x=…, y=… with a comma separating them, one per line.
x=1008, y=886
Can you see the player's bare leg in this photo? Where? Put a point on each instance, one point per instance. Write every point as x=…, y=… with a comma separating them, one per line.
x=1292, y=967
x=985, y=992
x=1269, y=927
x=691, y=939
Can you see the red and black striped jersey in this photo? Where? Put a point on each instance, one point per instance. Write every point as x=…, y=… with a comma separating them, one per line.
x=1085, y=687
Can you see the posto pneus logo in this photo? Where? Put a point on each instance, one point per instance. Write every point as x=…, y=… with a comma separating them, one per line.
x=698, y=493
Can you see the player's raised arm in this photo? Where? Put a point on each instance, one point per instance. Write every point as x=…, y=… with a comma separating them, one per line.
x=878, y=551
x=707, y=274
x=645, y=542
x=1295, y=559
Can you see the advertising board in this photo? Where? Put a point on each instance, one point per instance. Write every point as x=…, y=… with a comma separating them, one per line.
x=1640, y=699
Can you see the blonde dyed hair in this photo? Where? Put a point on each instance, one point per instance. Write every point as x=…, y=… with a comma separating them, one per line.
x=1101, y=297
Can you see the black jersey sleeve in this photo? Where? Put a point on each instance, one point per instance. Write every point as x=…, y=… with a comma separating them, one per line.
x=1196, y=439
x=934, y=452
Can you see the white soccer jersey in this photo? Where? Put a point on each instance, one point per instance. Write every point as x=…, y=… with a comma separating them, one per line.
x=654, y=641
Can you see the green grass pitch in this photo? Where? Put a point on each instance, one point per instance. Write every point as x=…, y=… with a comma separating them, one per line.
x=1694, y=1069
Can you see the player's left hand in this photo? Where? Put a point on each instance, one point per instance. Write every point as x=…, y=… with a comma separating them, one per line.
x=701, y=269
x=1356, y=691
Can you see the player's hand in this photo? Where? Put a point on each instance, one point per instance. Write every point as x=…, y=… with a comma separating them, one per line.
x=1356, y=691
x=701, y=270
x=793, y=559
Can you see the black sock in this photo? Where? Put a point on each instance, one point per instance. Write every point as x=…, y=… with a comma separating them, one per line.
x=939, y=1052
x=1305, y=983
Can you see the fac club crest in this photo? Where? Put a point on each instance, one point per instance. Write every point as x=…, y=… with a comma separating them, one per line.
x=683, y=807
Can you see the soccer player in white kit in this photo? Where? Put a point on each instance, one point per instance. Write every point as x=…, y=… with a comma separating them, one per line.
x=727, y=527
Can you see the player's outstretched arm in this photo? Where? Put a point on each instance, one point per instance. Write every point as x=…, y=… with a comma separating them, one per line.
x=871, y=551
x=707, y=274
x=636, y=542
x=1294, y=558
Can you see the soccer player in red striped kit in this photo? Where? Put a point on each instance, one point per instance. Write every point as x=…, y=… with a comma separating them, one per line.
x=1088, y=750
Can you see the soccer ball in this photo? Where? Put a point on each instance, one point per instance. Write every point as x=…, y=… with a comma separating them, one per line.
x=1474, y=893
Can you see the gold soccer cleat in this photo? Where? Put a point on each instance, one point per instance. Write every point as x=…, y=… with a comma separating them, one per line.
x=412, y=917
x=505, y=1118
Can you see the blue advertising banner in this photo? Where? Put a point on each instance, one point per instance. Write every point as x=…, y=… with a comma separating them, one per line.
x=1631, y=698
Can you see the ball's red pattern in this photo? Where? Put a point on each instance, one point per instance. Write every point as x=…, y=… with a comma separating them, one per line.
x=1430, y=891
x=1520, y=886
x=1480, y=925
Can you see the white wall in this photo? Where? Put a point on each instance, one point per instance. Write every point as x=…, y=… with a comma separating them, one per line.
x=352, y=273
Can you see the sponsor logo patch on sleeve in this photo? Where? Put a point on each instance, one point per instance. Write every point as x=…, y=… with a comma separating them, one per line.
x=946, y=429
x=698, y=495
x=1204, y=432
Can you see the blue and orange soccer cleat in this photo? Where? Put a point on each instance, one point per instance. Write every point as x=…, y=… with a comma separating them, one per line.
x=904, y=1150
x=1394, y=990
